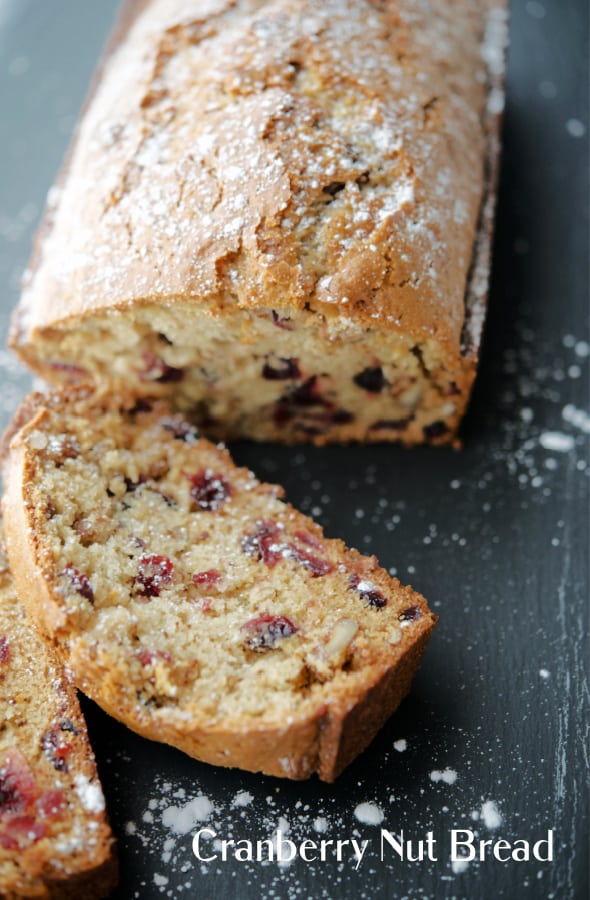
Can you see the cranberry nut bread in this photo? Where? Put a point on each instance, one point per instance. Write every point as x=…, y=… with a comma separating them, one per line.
x=54, y=838
x=283, y=219
x=190, y=601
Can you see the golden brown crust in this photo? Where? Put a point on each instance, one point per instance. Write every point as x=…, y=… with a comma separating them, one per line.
x=72, y=853
x=320, y=737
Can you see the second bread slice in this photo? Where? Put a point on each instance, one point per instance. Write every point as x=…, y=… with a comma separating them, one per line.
x=190, y=601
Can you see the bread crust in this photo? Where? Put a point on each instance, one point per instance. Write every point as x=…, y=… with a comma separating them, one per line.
x=321, y=740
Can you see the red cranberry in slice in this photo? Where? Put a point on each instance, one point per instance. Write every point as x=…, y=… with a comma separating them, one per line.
x=4, y=649
x=17, y=783
x=24, y=830
x=341, y=417
x=367, y=591
x=149, y=657
x=155, y=369
x=288, y=369
x=306, y=538
x=306, y=394
x=264, y=543
x=264, y=631
x=411, y=614
x=371, y=379
x=208, y=578
x=51, y=804
x=435, y=430
x=281, y=321
x=7, y=842
x=209, y=490
x=154, y=572
x=313, y=564
x=282, y=414
x=79, y=582
x=56, y=748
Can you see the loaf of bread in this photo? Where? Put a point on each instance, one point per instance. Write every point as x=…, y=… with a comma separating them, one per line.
x=55, y=841
x=279, y=214
x=190, y=601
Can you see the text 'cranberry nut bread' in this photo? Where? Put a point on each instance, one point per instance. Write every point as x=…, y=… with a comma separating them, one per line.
x=283, y=218
x=54, y=838
x=191, y=602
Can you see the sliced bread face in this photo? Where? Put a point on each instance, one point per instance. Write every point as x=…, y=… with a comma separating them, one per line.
x=190, y=601
x=54, y=838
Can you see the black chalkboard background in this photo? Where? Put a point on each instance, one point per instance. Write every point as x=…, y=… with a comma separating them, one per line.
x=495, y=536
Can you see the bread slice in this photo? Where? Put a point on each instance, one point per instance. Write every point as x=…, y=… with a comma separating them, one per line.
x=54, y=837
x=283, y=220
x=190, y=601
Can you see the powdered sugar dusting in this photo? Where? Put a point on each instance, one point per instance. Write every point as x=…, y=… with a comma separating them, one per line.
x=182, y=819
x=556, y=441
x=369, y=813
x=90, y=793
x=448, y=776
x=490, y=814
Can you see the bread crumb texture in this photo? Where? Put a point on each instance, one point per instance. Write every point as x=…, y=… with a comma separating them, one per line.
x=190, y=598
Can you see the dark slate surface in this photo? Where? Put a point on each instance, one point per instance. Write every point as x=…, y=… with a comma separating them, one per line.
x=496, y=536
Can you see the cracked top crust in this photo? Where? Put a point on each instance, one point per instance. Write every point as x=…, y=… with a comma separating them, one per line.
x=318, y=154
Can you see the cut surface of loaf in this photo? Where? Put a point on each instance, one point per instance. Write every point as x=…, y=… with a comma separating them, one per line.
x=284, y=220
x=190, y=601
x=55, y=841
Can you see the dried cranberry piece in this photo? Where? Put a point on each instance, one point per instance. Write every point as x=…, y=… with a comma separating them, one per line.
x=79, y=582
x=17, y=783
x=306, y=538
x=306, y=394
x=289, y=369
x=371, y=379
x=411, y=614
x=435, y=430
x=282, y=414
x=208, y=578
x=341, y=417
x=313, y=564
x=56, y=748
x=50, y=804
x=154, y=572
x=149, y=657
x=264, y=631
x=264, y=543
x=4, y=649
x=367, y=591
x=23, y=830
x=156, y=369
x=452, y=390
x=209, y=490
x=392, y=424
x=181, y=430
x=281, y=321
